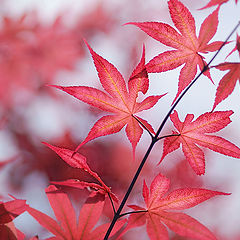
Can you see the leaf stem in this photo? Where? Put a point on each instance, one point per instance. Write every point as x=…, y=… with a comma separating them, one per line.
x=114, y=210
x=140, y=211
x=139, y=121
x=122, y=204
x=190, y=85
x=155, y=138
x=170, y=135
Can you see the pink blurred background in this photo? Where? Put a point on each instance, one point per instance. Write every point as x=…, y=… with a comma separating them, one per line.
x=41, y=43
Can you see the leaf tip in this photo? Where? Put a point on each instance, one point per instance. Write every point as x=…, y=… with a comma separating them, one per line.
x=55, y=86
x=85, y=41
x=129, y=23
x=88, y=46
x=48, y=145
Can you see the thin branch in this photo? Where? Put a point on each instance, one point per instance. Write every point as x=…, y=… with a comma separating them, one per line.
x=139, y=121
x=206, y=67
x=112, y=203
x=170, y=135
x=140, y=211
x=122, y=204
x=155, y=138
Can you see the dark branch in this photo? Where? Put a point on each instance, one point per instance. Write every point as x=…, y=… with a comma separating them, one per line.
x=165, y=136
x=139, y=121
x=155, y=138
x=140, y=211
x=114, y=210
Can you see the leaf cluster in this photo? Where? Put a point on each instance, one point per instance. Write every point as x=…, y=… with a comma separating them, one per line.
x=120, y=99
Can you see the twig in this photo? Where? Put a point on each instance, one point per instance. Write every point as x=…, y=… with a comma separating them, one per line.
x=114, y=210
x=170, y=135
x=140, y=211
x=135, y=117
x=155, y=138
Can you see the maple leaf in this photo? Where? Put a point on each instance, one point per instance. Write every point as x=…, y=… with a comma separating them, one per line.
x=32, y=53
x=228, y=82
x=160, y=210
x=188, y=46
x=55, y=48
x=118, y=100
x=77, y=160
x=14, y=70
x=236, y=48
x=194, y=133
x=216, y=3
x=95, y=20
x=8, y=231
x=75, y=183
x=8, y=212
x=67, y=227
x=11, y=209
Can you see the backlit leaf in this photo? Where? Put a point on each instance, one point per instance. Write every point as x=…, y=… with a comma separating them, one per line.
x=228, y=82
x=11, y=209
x=193, y=134
x=187, y=46
x=120, y=102
x=67, y=227
x=216, y=3
x=159, y=211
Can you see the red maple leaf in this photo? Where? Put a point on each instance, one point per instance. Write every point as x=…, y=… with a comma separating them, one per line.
x=216, y=3
x=67, y=227
x=237, y=46
x=11, y=209
x=160, y=209
x=54, y=48
x=8, y=231
x=14, y=72
x=77, y=160
x=228, y=82
x=31, y=54
x=193, y=133
x=188, y=46
x=119, y=101
x=96, y=19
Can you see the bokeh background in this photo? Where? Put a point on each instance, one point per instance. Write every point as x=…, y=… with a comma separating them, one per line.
x=41, y=43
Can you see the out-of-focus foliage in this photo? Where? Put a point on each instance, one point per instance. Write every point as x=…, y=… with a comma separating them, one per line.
x=34, y=54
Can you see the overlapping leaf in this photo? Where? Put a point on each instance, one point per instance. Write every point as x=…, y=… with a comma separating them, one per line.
x=11, y=209
x=67, y=227
x=160, y=210
x=8, y=231
x=236, y=48
x=188, y=46
x=192, y=134
x=8, y=212
x=119, y=101
x=228, y=82
x=216, y=3
x=77, y=160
